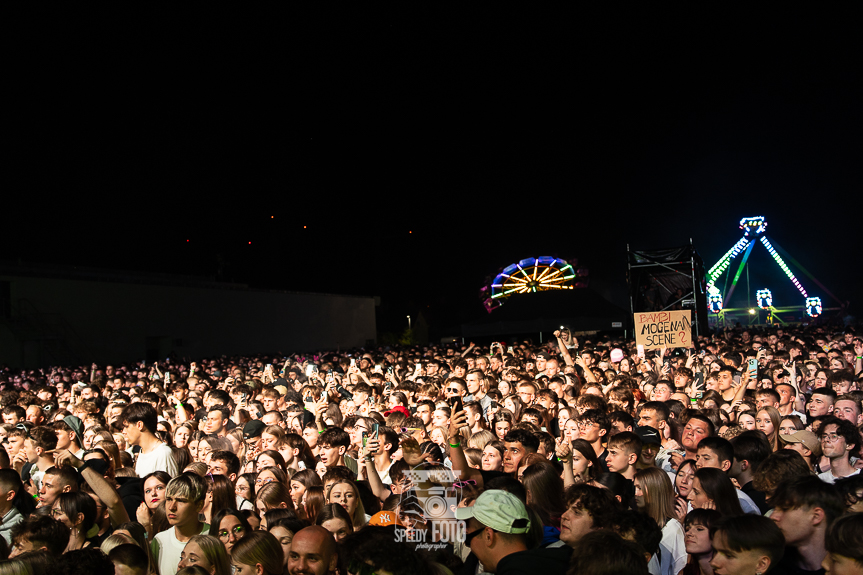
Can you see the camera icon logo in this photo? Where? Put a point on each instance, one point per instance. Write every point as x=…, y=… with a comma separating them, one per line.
x=427, y=500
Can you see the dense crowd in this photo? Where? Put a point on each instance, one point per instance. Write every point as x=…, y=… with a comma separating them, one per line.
x=581, y=455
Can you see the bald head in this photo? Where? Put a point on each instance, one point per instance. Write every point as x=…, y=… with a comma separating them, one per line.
x=313, y=552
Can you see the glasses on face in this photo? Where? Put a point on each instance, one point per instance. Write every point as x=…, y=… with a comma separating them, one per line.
x=452, y=390
x=237, y=530
x=830, y=437
x=585, y=424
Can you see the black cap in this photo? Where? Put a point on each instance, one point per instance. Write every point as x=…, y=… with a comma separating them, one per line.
x=648, y=435
x=253, y=429
x=543, y=355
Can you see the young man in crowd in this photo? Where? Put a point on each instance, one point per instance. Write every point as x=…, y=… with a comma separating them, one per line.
x=518, y=443
x=624, y=450
x=139, y=428
x=593, y=426
x=803, y=510
x=57, y=480
x=840, y=440
x=751, y=448
x=697, y=428
x=37, y=451
x=588, y=508
x=655, y=415
x=39, y=533
x=184, y=500
x=717, y=453
x=333, y=444
x=821, y=402
x=497, y=528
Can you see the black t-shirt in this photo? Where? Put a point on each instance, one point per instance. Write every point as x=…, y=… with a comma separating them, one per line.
x=603, y=466
x=545, y=560
x=788, y=565
x=758, y=497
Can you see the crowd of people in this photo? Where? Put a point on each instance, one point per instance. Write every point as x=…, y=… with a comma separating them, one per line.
x=583, y=455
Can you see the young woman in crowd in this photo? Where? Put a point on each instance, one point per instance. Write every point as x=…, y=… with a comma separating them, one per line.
x=699, y=546
x=206, y=552
x=335, y=518
x=654, y=495
x=768, y=421
x=712, y=489
x=346, y=494
x=258, y=553
x=229, y=526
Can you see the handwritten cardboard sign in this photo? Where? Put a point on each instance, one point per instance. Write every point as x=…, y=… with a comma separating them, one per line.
x=659, y=329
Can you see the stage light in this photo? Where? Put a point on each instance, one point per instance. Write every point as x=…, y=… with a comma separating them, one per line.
x=752, y=311
x=813, y=306
x=764, y=298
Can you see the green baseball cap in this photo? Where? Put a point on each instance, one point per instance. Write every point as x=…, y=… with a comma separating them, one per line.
x=500, y=510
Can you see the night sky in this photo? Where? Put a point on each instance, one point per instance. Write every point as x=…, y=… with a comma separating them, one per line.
x=412, y=161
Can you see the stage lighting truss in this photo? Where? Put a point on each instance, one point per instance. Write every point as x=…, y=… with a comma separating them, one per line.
x=813, y=306
x=534, y=275
x=764, y=298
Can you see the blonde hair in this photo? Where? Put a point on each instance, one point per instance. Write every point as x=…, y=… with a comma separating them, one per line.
x=15, y=567
x=214, y=551
x=198, y=468
x=115, y=540
x=359, y=516
x=480, y=439
x=658, y=494
x=188, y=486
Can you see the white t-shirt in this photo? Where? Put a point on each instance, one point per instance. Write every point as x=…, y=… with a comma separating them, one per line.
x=672, y=551
x=166, y=550
x=243, y=504
x=160, y=459
x=828, y=477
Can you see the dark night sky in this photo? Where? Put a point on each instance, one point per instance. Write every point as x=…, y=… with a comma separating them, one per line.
x=489, y=141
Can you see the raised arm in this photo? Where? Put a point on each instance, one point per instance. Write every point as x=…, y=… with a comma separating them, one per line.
x=564, y=351
x=103, y=490
x=380, y=490
x=564, y=455
x=456, y=451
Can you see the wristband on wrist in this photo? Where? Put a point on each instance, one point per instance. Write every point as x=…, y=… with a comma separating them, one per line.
x=455, y=445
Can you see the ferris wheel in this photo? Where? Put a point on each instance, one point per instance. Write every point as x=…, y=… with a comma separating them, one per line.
x=532, y=275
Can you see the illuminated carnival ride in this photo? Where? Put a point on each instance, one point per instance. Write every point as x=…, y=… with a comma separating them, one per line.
x=754, y=233
x=532, y=275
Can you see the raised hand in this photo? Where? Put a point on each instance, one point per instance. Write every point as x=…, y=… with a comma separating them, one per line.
x=563, y=450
